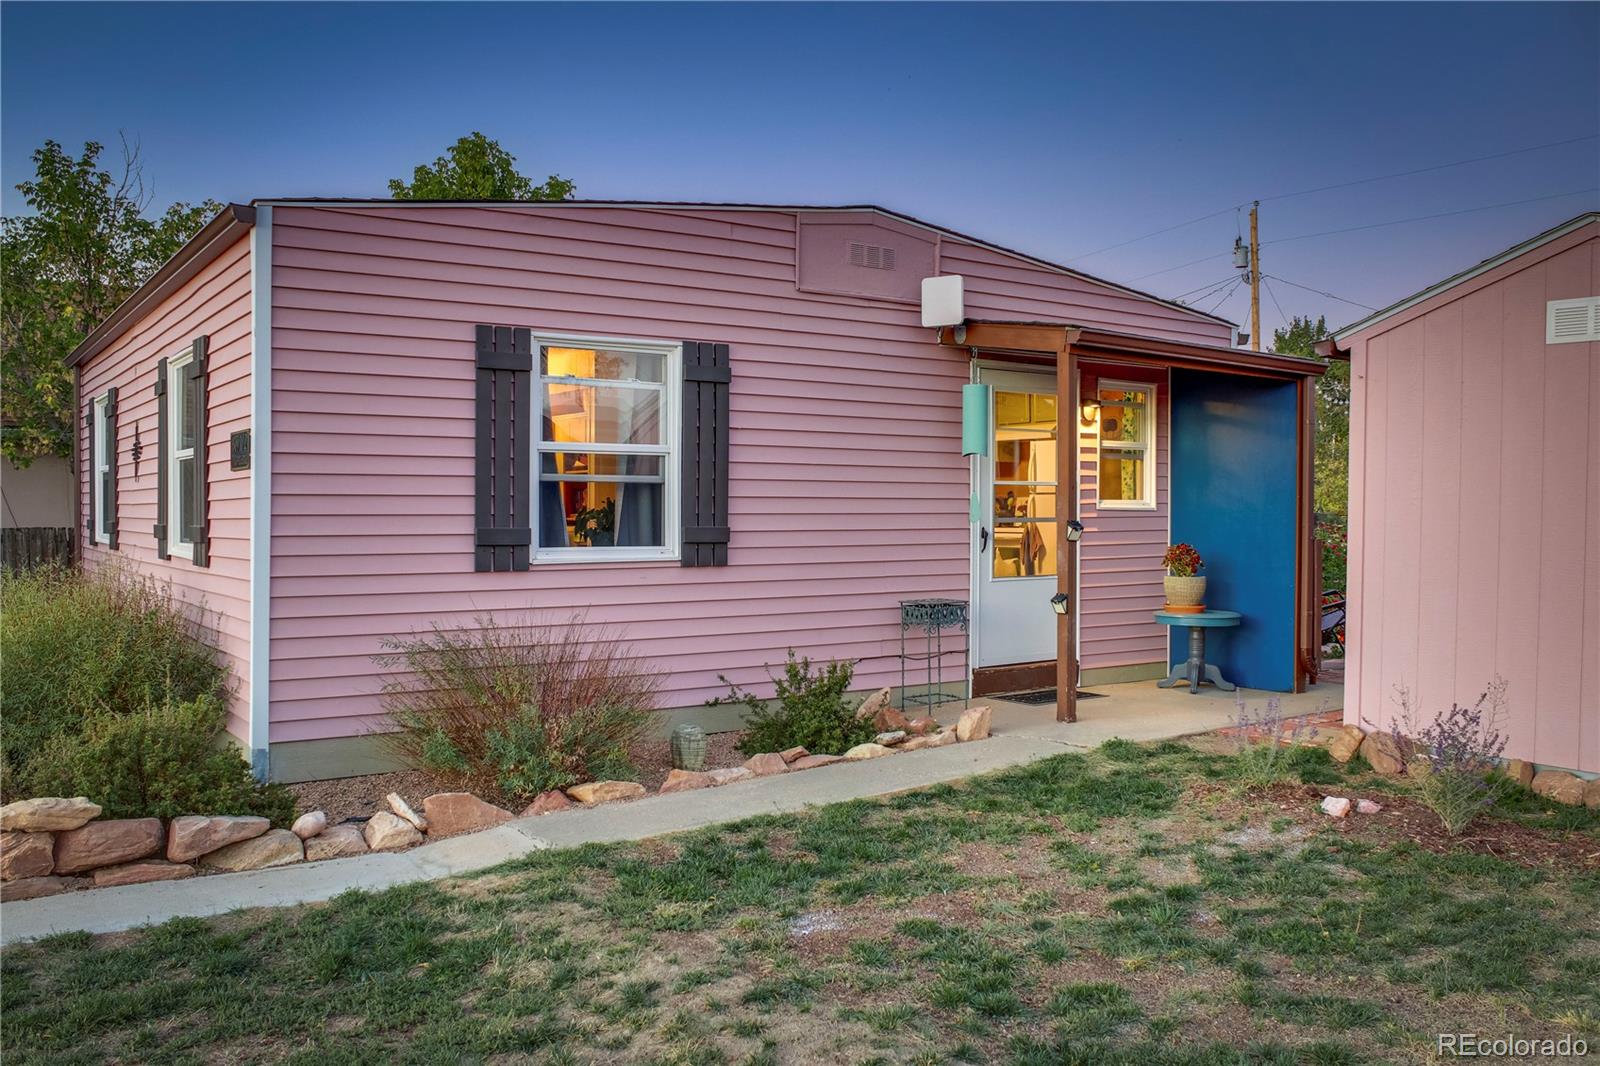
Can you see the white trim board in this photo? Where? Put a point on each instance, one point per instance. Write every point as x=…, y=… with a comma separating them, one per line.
x=260, y=491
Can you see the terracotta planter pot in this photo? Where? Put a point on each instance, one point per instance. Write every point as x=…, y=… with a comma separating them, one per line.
x=1185, y=595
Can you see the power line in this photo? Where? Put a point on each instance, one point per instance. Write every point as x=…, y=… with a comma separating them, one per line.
x=1429, y=170
x=1319, y=292
x=1378, y=225
x=1339, y=185
x=1235, y=288
x=1152, y=233
x=1206, y=290
x=1440, y=214
x=1275, y=302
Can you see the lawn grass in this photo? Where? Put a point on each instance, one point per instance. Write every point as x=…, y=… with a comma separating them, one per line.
x=1123, y=906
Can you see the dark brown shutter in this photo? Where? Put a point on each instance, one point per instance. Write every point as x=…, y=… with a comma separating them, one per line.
x=706, y=377
x=507, y=442
x=195, y=371
x=110, y=491
x=94, y=447
x=162, y=551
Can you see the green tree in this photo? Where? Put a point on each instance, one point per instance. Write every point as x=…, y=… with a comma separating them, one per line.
x=1333, y=413
x=87, y=245
x=477, y=168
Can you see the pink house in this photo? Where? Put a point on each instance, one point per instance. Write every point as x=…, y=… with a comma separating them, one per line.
x=725, y=427
x=1475, y=496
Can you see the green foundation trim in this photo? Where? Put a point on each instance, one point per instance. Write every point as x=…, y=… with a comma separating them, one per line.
x=1119, y=675
x=317, y=760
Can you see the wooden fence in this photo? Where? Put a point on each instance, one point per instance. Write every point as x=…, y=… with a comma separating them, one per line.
x=26, y=547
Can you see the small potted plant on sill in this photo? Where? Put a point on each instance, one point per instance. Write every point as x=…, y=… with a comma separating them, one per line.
x=1185, y=588
x=596, y=526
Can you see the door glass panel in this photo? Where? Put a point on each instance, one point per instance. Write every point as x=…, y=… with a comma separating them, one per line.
x=1024, y=503
x=1024, y=549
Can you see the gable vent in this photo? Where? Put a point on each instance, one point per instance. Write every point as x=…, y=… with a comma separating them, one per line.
x=871, y=256
x=1572, y=321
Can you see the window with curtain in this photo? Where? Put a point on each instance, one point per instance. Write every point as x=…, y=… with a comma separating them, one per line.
x=1127, y=448
x=607, y=454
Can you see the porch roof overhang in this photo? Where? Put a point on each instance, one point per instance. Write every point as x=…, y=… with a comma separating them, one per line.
x=1034, y=339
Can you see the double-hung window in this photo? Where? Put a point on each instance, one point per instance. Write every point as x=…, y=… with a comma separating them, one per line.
x=1127, y=445
x=103, y=467
x=183, y=395
x=606, y=477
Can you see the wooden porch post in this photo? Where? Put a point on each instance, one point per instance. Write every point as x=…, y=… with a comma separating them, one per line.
x=1308, y=589
x=1066, y=511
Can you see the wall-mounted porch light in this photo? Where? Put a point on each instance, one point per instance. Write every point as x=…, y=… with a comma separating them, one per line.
x=1058, y=603
x=1074, y=530
x=1088, y=411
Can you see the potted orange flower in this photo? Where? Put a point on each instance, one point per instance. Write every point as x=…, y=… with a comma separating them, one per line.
x=1185, y=588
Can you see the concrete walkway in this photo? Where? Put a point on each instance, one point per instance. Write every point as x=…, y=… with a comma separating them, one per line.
x=1022, y=734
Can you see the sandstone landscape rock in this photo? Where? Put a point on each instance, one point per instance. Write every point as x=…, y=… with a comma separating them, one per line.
x=26, y=855
x=448, y=813
x=192, y=836
x=108, y=843
x=387, y=831
x=48, y=814
x=275, y=847
x=597, y=792
x=336, y=842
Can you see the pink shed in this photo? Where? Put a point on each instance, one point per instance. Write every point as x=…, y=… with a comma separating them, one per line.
x=1475, y=498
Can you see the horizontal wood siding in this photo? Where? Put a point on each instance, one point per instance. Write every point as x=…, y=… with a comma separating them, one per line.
x=1475, y=507
x=1119, y=579
x=215, y=302
x=847, y=488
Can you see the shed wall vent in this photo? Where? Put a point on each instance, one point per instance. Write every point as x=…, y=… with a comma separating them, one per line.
x=1572, y=321
x=871, y=256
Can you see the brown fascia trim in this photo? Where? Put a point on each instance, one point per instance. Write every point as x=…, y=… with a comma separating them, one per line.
x=1329, y=349
x=1091, y=343
x=231, y=223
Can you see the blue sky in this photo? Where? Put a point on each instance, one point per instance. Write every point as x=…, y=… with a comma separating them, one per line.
x=1055, y=129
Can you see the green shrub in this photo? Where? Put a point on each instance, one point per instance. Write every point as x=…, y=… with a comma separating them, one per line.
x=75, y=646
x=513, y=710
x=808, y=710
x=166, y=760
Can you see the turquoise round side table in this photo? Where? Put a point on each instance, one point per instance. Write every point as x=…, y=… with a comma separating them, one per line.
x=1196, y=669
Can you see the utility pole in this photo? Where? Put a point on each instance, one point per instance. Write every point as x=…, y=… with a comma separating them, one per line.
x=1255, y=281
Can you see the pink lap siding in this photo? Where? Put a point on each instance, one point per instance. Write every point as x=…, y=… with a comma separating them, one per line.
x=215, y=302
x=847, y=489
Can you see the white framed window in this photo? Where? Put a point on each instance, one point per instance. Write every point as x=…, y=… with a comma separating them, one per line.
x=104, y=448
x=182, y=419
x=605, y=480
x=1127, y=460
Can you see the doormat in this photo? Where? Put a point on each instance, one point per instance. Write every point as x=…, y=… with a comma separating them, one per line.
x=1042, y=695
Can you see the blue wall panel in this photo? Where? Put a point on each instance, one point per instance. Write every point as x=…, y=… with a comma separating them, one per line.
x=1233, y=491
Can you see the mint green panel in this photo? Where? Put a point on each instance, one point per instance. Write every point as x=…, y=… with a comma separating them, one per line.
x=975, y=408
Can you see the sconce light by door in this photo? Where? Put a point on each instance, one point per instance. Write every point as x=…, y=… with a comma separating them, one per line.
x=1088, y=411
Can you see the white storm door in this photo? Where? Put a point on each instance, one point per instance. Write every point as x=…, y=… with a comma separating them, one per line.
x=1016, y=557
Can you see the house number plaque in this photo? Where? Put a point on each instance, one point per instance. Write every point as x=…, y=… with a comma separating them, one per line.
x=239, y=450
